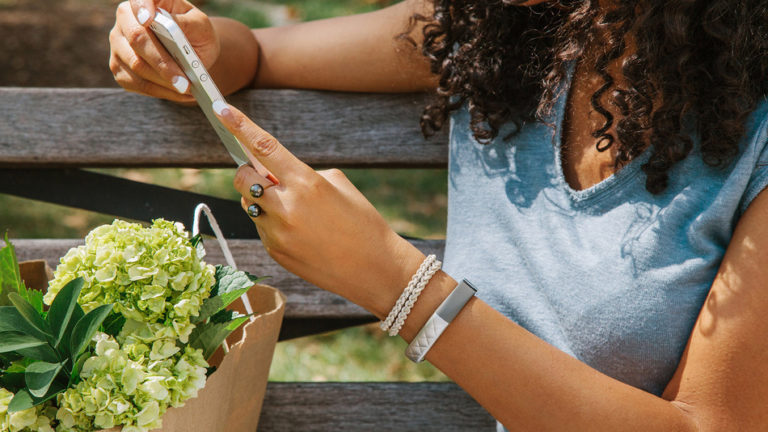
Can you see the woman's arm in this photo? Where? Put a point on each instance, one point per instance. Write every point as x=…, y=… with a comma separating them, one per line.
x=351, y=53
x=318, y=226
x=720, y=385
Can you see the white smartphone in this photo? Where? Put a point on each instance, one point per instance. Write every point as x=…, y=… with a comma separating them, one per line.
x=201, y=85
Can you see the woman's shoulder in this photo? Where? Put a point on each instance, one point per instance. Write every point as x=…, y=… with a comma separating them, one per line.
x=751, y=164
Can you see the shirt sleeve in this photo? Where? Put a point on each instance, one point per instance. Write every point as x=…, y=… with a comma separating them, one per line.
x=758, y=179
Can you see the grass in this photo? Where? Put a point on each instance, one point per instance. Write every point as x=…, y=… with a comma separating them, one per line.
x=412, y=201
x=256, y=14
x=357, y=354
x=244, y=12
x=318, y=9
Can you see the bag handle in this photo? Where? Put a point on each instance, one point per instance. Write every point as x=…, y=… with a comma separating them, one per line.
x=202, y=208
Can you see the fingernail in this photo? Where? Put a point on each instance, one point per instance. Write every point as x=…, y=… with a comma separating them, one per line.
x=221, y=108
x=142, y=16
x=180, y=83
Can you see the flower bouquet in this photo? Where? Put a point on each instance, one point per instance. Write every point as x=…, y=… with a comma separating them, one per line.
x=123, y=336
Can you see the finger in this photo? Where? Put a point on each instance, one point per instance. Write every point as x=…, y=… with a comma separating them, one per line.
x=245, y=179
x=143, y=10
x=254, y=210
x=132, y=82
x=141, y=43
x=333, y=175
x=263, y=146
x=123, y=55
x=184, y=13
x=263, y=171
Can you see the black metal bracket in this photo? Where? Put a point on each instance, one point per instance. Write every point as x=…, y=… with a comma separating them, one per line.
x=123, y=198
x=293, y=328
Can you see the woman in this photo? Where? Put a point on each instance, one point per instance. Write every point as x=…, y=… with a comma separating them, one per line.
x=607, y=160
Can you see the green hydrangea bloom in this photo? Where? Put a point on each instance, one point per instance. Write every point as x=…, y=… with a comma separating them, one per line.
x=152, y=275
x=119, y=388
x=35, y=419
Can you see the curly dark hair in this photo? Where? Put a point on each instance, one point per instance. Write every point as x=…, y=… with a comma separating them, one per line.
x=507, y=62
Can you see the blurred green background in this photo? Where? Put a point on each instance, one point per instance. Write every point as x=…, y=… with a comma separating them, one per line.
x=412, y=201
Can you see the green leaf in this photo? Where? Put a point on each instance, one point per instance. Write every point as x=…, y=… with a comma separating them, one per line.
x=86, y=328
x=21, y=401
x=212, y=305
x=42, y=352
x=18, y=366
x=225, y=316
x=77, y=315
x=39, y=377
x=208, y=336
x=35, y=298
x=13, y=341
x=113, y=324
x=24, y=400
x=197, y=243
x=62, y=308
x=12, y=381
x=10, y=276
x=11, y=320
x=29, y=314
x=230, y=284
x=229, y=279
x=256, y=279
x=74, y=377
x=10, y=279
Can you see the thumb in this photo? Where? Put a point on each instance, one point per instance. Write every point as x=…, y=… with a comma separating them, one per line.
x=196, y=25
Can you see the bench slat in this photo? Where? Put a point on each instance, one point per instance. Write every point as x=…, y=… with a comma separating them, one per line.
x=442, y=407
x=305, y=301
x=48, y=127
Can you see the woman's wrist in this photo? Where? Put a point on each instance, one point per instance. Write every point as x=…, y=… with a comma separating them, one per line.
x=237, y=63
x=439, y=287
x=408, y=259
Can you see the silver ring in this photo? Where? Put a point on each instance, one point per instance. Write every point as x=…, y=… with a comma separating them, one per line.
x=254, y=210
x=257, y=190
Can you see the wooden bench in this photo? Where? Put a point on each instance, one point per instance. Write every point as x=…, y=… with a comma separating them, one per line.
x=48, y=136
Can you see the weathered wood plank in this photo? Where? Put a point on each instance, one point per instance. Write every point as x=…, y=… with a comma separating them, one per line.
x=305, y=301
x=46, y=127
x=422, y=407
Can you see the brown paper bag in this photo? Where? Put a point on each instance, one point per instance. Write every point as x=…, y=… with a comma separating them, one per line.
x=232, y=397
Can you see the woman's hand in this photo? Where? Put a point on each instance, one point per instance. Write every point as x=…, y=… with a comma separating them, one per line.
x=138, y=60
x=318, y=225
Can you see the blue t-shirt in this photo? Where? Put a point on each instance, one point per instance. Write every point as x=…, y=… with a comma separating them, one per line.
x=612, y=275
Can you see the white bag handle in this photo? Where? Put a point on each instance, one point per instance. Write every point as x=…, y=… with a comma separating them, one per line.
x=203, y=208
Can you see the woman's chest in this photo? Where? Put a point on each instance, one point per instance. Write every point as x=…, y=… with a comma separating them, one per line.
x=590, y=140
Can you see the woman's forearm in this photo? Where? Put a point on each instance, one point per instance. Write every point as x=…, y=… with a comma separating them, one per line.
x=236, y=65
x=527, y=384
x=351, y=53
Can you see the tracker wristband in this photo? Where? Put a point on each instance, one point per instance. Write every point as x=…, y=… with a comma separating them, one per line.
x=438, y=322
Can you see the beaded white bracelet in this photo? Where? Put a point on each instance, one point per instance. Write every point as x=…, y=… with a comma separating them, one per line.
x=387, y=323
x=423, y=281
